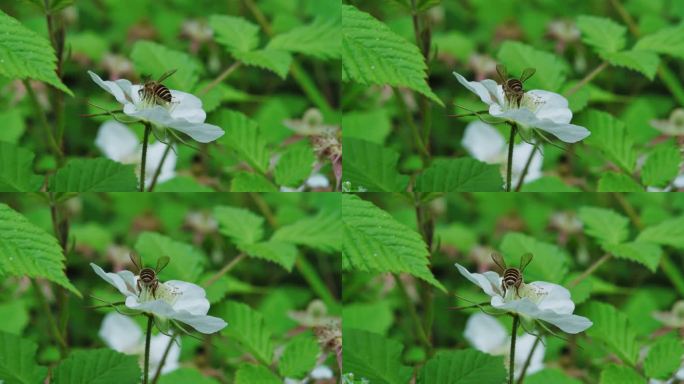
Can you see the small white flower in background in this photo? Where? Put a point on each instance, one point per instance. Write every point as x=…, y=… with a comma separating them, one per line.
x=673, y=318
x=315, y=181
x=674, y=126
x=184, y=113
x=174, y=299
x=537, y=300
x=679, y=375
x=120, y=144
x=321, y=372
x=485, y=143
x=538, y=109
x=486, y=334
x=122, y=334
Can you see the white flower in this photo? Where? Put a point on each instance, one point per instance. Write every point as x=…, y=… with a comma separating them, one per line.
x=486, y=144
x=486, y=334
x=537, y=300
x=174, y=299
x=314, y=181
x=184, y=113
x=674, y=126
x=120, y=144
x=321, y=372
x=538, y=109
x=122, y=334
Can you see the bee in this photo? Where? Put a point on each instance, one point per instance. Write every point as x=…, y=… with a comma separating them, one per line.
x=155, y=92
x=513, y=88
x=148, y=276
x=512, y=277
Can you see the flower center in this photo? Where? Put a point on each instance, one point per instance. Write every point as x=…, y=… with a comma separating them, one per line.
x=530, y=102
x=531, y=292
x=162, y=291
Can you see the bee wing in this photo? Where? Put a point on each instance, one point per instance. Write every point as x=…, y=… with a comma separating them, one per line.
x=527, y=73
x=501, y=70
x=137, y=261
x=525, y=260
x=498, y=260
x=166, y=75
x=162, y=262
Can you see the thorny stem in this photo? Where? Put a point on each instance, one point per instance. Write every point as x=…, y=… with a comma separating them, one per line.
x=588, y=78
x=224, y=270
x=521, y=181
x=157, y=374
x=218, y=80
x=147, y=348
x=426, y=230
x=63, y=347
x=143, y=161
x=590, y=270
x=528, y=360
x=157, y=172
x=509, y=168
x=412, y=312
x=420, y=146
x=514, y=334
x=43, y=120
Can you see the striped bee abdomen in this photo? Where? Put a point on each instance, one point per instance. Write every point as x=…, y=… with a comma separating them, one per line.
x=515, y=85
x=147, y=276
x=162, y=92
x=512, y=277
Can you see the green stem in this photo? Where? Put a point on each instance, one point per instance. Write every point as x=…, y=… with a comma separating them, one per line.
x=521, y=181
x=54, y=329
x=420, y=146
x=509, y=167
x=671, y=82
x=514, y=334
x=588, y=78
x=143, y=161
x=52, y=144
x=673, y=273
x=157, y=374
x=147, y=348
x=592, y=268
x=317, y=285
x=224, y=270
x=157, y=172
x=420, y=332
x=218, y=80
x=528, y=360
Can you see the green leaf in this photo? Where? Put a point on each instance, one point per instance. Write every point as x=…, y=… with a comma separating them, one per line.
x=94, y=175
x=26, y=55
x=320, y=39
x=644, y=62
x=374, y=54
x=235, y=33
x=182, y=184
x=97, y=366
x=610, y=136
x=606, y=225
x=373, y=125
x=373, y=317
x=373, y=357
x=664, y=357
x=517, y=56
x=16, y=170
x=548, y=184
x=18, y=361
x=15, y=317
x=154, y=60
x=184, y=376
x=371, y=167
x=321, y=232
x=251, y=182
x=661, y=166
x=612, y=328
x=274, y=60
x=243, y=136
x=14, y=127
x=294, y=166
x=668, y=41
x=299, y=357
x=669, y=232
x=28, y=250
x=550, y=263
x=247, y=327
x=250, y=374
x=620, y=374
x=460, y=175
x=283, y=254
x=551, y=375
x=241, y=225
x=466, y=366
x=603, y=34
x=618, y=182
x=643, y=253
x=187, y=262
x=374, y=241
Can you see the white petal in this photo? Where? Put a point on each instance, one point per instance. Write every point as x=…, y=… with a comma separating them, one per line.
x=484, y=142
x=121, y=333
x=124, y=281
x=155, y=152
x=523, y=347
x=193, y=297
x=322, y=372
x=188, y=107
x=203, y=324
x=121, y=89
x=569, y=133
x=318, y=181
x=486, y=89
x=486, y=334
x=203, y=133
x=556, y=297
x=553, y=106
x=521, y=152
x=489, y=281
x=117, y=141
x=158, y=345
x=525, y=307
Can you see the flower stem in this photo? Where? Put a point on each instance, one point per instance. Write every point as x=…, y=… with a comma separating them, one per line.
x=509, y=168
x=163, y=360
x=224, y=270
x=51, y=142
x=157, y=172
x=63, y=347
x=528, y=360
x=587, y=79
x=521, y=181
x=147, y=348
x=418, y=140
x=143, y=161
x=412, y=312
x=218, y=80
x=590, y=270
x=514, y=334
